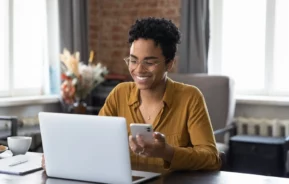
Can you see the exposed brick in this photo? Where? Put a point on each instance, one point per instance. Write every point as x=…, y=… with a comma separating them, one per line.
x=127, y=5
x=93, y=27
x=93, y=44
x=116, y=54
x=121, y=44
x=116, y=28
x=151, y=3
x=110, y=21
x=110, y=4
x=148, y=12
x=93, y=35
x=116, y=13
x=117, y=37
x=130, y=13
x=105, y=45
x=105, y=13
x=127, y=22
x=170, y=11
x=169, y=3
x=93, y=4
x=140, y=4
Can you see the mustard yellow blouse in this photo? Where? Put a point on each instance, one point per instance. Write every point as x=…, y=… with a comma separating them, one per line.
x=184, y=120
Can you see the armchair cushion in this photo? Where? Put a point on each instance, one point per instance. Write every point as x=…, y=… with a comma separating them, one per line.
x=218, y=93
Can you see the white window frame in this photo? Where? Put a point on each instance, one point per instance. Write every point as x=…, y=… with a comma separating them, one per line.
x=12, y=92
x=6, y=41
x=216, y=16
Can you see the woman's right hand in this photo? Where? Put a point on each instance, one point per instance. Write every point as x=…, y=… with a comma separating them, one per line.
x=43, y=162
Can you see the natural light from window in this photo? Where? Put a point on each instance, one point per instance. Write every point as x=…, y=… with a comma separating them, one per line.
x=244, y=42
x=23, y=48
x=281, y=51
x=250, y=43
x=28, y=43
x=3, y=46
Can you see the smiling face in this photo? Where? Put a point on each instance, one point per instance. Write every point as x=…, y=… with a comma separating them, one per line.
x=148, y=78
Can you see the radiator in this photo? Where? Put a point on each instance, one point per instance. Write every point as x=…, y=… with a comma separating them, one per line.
x=262, y=126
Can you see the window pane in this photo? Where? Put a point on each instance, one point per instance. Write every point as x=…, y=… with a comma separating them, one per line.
x=28, y=30
x=3, y=46
x=243, y=39
x=281, y=51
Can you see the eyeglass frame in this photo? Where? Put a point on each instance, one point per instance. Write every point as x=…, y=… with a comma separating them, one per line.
x=142, y=62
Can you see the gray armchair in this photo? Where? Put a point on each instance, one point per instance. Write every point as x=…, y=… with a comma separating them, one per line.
x=219, y=96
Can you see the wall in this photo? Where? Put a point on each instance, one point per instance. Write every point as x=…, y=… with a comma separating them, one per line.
x=109, y=24
x=110, y=21
x=30, y=110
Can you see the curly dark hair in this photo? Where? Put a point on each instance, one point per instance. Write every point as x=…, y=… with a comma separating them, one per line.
x=164, y=33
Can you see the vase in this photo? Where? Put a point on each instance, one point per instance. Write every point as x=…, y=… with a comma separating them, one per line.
x=79, y=107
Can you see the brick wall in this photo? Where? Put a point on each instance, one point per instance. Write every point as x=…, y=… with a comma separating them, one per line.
x=109, y=23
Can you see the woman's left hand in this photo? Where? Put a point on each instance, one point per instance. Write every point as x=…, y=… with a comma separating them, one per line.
x=43, y=163
x=158, y=148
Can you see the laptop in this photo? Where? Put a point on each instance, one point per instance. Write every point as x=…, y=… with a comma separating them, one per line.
x=88, y=148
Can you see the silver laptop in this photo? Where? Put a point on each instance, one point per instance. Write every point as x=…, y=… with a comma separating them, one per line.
x=88, y=148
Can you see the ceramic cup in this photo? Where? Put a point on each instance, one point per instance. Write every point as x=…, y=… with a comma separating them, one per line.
x=19, y=145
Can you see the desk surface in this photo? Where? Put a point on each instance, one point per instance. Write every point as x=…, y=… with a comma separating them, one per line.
x=219, y=177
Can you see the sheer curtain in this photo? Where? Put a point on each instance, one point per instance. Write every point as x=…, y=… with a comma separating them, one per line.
x=71, y=32
x=53, y=45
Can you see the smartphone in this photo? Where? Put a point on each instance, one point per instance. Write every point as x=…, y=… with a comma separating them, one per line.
x=145, y=130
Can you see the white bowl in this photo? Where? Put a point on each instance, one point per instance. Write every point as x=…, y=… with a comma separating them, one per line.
x=19, y=145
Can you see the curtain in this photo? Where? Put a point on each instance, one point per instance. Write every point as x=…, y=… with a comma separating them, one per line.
x=67, y=28
x=73, y=22
x=193, y=52
x=52, y=83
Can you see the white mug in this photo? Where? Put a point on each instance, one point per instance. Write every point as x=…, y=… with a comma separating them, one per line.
x=19, y=145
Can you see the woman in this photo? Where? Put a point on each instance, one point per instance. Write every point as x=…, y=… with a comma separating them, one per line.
x=183, y=133
x=183, y=138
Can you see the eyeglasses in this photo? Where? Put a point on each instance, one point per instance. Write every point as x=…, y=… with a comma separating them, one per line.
x=148, y=64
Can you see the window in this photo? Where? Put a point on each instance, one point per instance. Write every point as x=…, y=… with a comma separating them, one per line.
x=281, y=51
x=250, y=43
x=3, y=48
x=22, y=47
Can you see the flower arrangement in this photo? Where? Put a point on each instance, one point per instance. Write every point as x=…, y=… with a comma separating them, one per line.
x=79, y=79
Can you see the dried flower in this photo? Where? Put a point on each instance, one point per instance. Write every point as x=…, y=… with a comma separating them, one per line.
x=78, y=79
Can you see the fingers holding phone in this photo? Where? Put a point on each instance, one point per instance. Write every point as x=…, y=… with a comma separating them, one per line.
x=145, y=142
x=141, y=137
x=137, y=149
x=43, y=163
x=159, y=137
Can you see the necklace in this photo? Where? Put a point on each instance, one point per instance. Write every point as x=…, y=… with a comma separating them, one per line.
x=149, y=116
